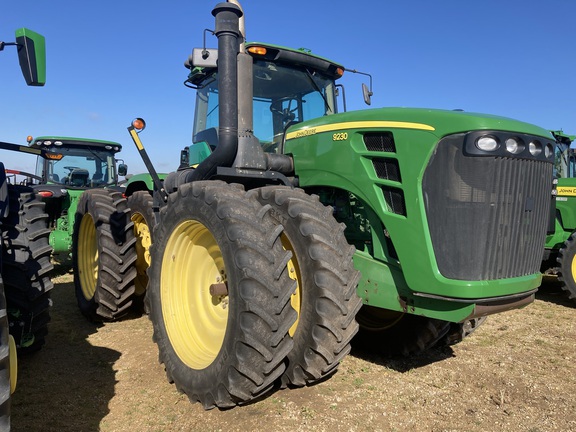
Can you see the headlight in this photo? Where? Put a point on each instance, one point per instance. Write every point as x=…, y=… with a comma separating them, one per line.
x=514, y=145
x=548, y=151
x=535, y=148
x=487, y=143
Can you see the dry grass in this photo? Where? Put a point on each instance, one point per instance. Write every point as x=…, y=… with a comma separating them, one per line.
x=516, y=373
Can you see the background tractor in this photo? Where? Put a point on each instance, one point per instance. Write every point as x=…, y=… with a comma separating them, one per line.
x=560, y=253
x=289, y=226
x=25, y=252
x=86, y=174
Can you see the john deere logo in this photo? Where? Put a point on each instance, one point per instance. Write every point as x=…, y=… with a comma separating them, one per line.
x=566, y=190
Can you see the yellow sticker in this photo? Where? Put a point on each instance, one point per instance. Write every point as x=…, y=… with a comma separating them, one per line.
x=566, y=190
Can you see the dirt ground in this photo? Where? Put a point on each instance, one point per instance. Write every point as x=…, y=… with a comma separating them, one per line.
x=515, y=373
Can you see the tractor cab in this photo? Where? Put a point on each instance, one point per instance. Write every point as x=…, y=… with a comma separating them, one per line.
x=84, y=163
x=564, y=158
x=289, y=87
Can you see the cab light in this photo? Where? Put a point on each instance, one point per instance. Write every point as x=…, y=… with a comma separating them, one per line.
x=258, y=50
x=47, y=143
x=29, y=139
x=45, y=194
x=487, y=143
x=339, y=72
x=57, y=143
x=54, y=156
x=535, y=148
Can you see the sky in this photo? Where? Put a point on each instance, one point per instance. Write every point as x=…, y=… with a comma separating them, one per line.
x=109, y=62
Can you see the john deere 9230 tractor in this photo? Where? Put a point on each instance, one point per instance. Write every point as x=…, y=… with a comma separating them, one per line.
x=289, y=225
x=25, y=252
x=560, y=256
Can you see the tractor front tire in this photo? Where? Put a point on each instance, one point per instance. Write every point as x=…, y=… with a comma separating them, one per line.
x=219, y=294
x=26, y=264
x=325, y=299
x=104, y=255
x=567, y=271
x=392, y=333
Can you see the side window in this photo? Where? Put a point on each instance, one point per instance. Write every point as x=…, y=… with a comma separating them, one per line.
x=263, y=127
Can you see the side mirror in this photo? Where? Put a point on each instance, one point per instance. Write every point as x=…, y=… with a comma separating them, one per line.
x=32, y=56
x=367, y=94
x=122, y=170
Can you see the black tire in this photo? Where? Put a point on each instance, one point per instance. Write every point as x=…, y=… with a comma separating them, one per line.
x=326, y=297
x=567, y=271
x=5, y=358
x=228, y=347
x=142, y=216
x=392, y=333
x=26, y=265
x=104, y=255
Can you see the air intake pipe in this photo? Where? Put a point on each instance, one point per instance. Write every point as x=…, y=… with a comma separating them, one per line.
x=227, y=31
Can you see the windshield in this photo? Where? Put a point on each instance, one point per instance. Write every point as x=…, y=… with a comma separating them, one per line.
x=564, y=161
x=79, y=167
x=282, y=96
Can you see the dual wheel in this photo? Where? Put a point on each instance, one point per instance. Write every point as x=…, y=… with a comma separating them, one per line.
x=26, y=265
x=248, y=290
x=104, y=255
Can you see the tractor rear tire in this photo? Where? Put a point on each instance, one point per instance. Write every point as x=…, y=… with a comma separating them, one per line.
x=567, y=271
x=26, y=264
x=219, y=294
x=142, y=216
x=104, y=255
x=392, y=333
x=326, y=299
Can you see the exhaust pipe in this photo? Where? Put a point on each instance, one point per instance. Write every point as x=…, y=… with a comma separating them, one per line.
x=227, y=16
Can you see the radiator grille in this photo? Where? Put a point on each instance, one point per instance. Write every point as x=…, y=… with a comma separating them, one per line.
x=487, y=215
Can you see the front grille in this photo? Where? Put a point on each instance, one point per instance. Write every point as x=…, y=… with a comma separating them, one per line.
x=487, y=215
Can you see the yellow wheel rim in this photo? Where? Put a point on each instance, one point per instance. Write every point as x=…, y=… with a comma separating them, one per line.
x=13, y=363
x=87, y=256
x=195, y=320
x=294, y=273
x=573, y=268
x=143, y=243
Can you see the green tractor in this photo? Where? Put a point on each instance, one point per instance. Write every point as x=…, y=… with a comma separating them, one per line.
x=25, y=252
x=84, y=185
x=290, y=227
x=560, y=253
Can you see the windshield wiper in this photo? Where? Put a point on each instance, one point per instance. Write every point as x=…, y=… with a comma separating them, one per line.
x=311, y=78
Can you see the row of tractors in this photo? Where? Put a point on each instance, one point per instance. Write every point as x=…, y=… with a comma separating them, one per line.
x=291, y=230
